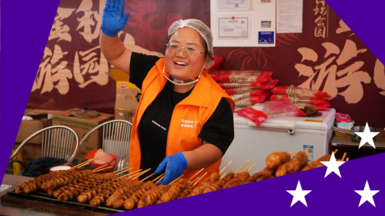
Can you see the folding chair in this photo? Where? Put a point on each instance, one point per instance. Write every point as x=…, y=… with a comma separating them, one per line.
x=57, y=141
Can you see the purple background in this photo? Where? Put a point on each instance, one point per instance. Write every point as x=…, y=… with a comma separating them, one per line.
x=26, y=26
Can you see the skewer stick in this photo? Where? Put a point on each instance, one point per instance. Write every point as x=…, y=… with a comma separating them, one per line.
x=250, y=168
x=122, y=169
x=307, y=148
x=193, y=181
x=95, y=170
x=335, y=151
x=199, y=179
x=242, y=166
x=121, y=172
x=158, y=177
x=131, y=173
x=223, y=176
x=135, y=175
x=85, y=162
x=138, y=175
x=109, y=167
x=293, y=152
x=343, y=157
x=195, y=174
x=225, y=167
x=147, y=177
x=347, y=158
x=176, y=179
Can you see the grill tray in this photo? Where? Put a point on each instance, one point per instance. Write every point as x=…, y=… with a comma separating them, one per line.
x=42, y=201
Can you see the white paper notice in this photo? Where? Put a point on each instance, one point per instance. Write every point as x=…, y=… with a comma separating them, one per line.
x=233, y=5
x=289, y=16
x=233, y=27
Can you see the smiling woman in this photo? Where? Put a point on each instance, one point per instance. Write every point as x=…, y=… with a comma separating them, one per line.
x=184, y=121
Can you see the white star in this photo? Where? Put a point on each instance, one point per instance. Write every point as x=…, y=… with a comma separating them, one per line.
x=367, y=194
x=298, y=194
x=367, y=136
x=333, y=166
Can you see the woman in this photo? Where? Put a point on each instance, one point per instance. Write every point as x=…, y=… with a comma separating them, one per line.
x=184, y=120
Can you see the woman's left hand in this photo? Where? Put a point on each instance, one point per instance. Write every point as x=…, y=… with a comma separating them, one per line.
x=174, y=165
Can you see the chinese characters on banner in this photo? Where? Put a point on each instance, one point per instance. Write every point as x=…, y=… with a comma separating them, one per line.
x=320, y=13
x=88, y=64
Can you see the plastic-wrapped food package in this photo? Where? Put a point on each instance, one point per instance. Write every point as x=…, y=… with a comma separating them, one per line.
x=233, y=91
x=276, y=108
x=254, y=115
x=246, y=94
x=242, y=76
x=317, y=107
x=215, y=75
x=217, y=62
x=254, y=85
x=288, y=90
x=299, y=99
x=258, y=113
x=252, y=100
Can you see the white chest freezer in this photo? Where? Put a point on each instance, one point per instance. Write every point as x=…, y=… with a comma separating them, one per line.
x=278, y=134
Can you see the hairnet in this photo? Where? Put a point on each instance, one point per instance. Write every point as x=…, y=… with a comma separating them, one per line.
x=203, y=30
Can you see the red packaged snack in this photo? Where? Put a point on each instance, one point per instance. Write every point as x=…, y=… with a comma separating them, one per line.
x=315, y=100
x=277, y=97
x=254, y=115
x=269, y=84
x=247, y=94
x=297, y=91
x=215, y=74
x=299, y=99
x=252, y=100
x=217, y=62
x=242, y=76
x=300, y=113
x=232, y=91
x=240, y=85
x=317, y=107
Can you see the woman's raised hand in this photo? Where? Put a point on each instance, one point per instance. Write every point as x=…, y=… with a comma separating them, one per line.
x=114, y=19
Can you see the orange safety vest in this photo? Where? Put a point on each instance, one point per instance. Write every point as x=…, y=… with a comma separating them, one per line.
x=187, y=119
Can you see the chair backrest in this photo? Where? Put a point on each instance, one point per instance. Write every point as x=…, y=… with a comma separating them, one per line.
x=116, y=136
x=57, y=141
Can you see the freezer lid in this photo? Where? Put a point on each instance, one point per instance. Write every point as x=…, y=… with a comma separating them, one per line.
x=314, y=123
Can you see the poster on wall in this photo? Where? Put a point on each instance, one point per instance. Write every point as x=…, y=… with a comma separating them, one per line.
x=241, y=23
x=289, y=16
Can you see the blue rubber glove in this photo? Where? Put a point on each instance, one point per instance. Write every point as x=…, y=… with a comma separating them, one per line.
x=114, y=19
x=175, y=166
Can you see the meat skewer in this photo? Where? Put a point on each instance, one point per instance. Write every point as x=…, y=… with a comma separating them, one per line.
x=293, y=165
x=253, y=178
x=117, y=199
x=105, y=194
x=174, y=191
x=275, y=159
x=133, y=201
x=220, y=183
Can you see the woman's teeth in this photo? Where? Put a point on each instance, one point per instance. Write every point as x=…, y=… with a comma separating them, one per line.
x=180, y=63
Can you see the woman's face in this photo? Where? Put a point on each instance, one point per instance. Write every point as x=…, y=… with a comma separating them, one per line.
x=181, y=66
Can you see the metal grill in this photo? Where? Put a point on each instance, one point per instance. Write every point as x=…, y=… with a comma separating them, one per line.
x=42, y=201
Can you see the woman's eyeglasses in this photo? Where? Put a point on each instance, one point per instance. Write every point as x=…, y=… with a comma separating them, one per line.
x=190, y=52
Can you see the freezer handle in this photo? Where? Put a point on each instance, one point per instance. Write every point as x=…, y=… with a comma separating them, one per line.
x=289, y=126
